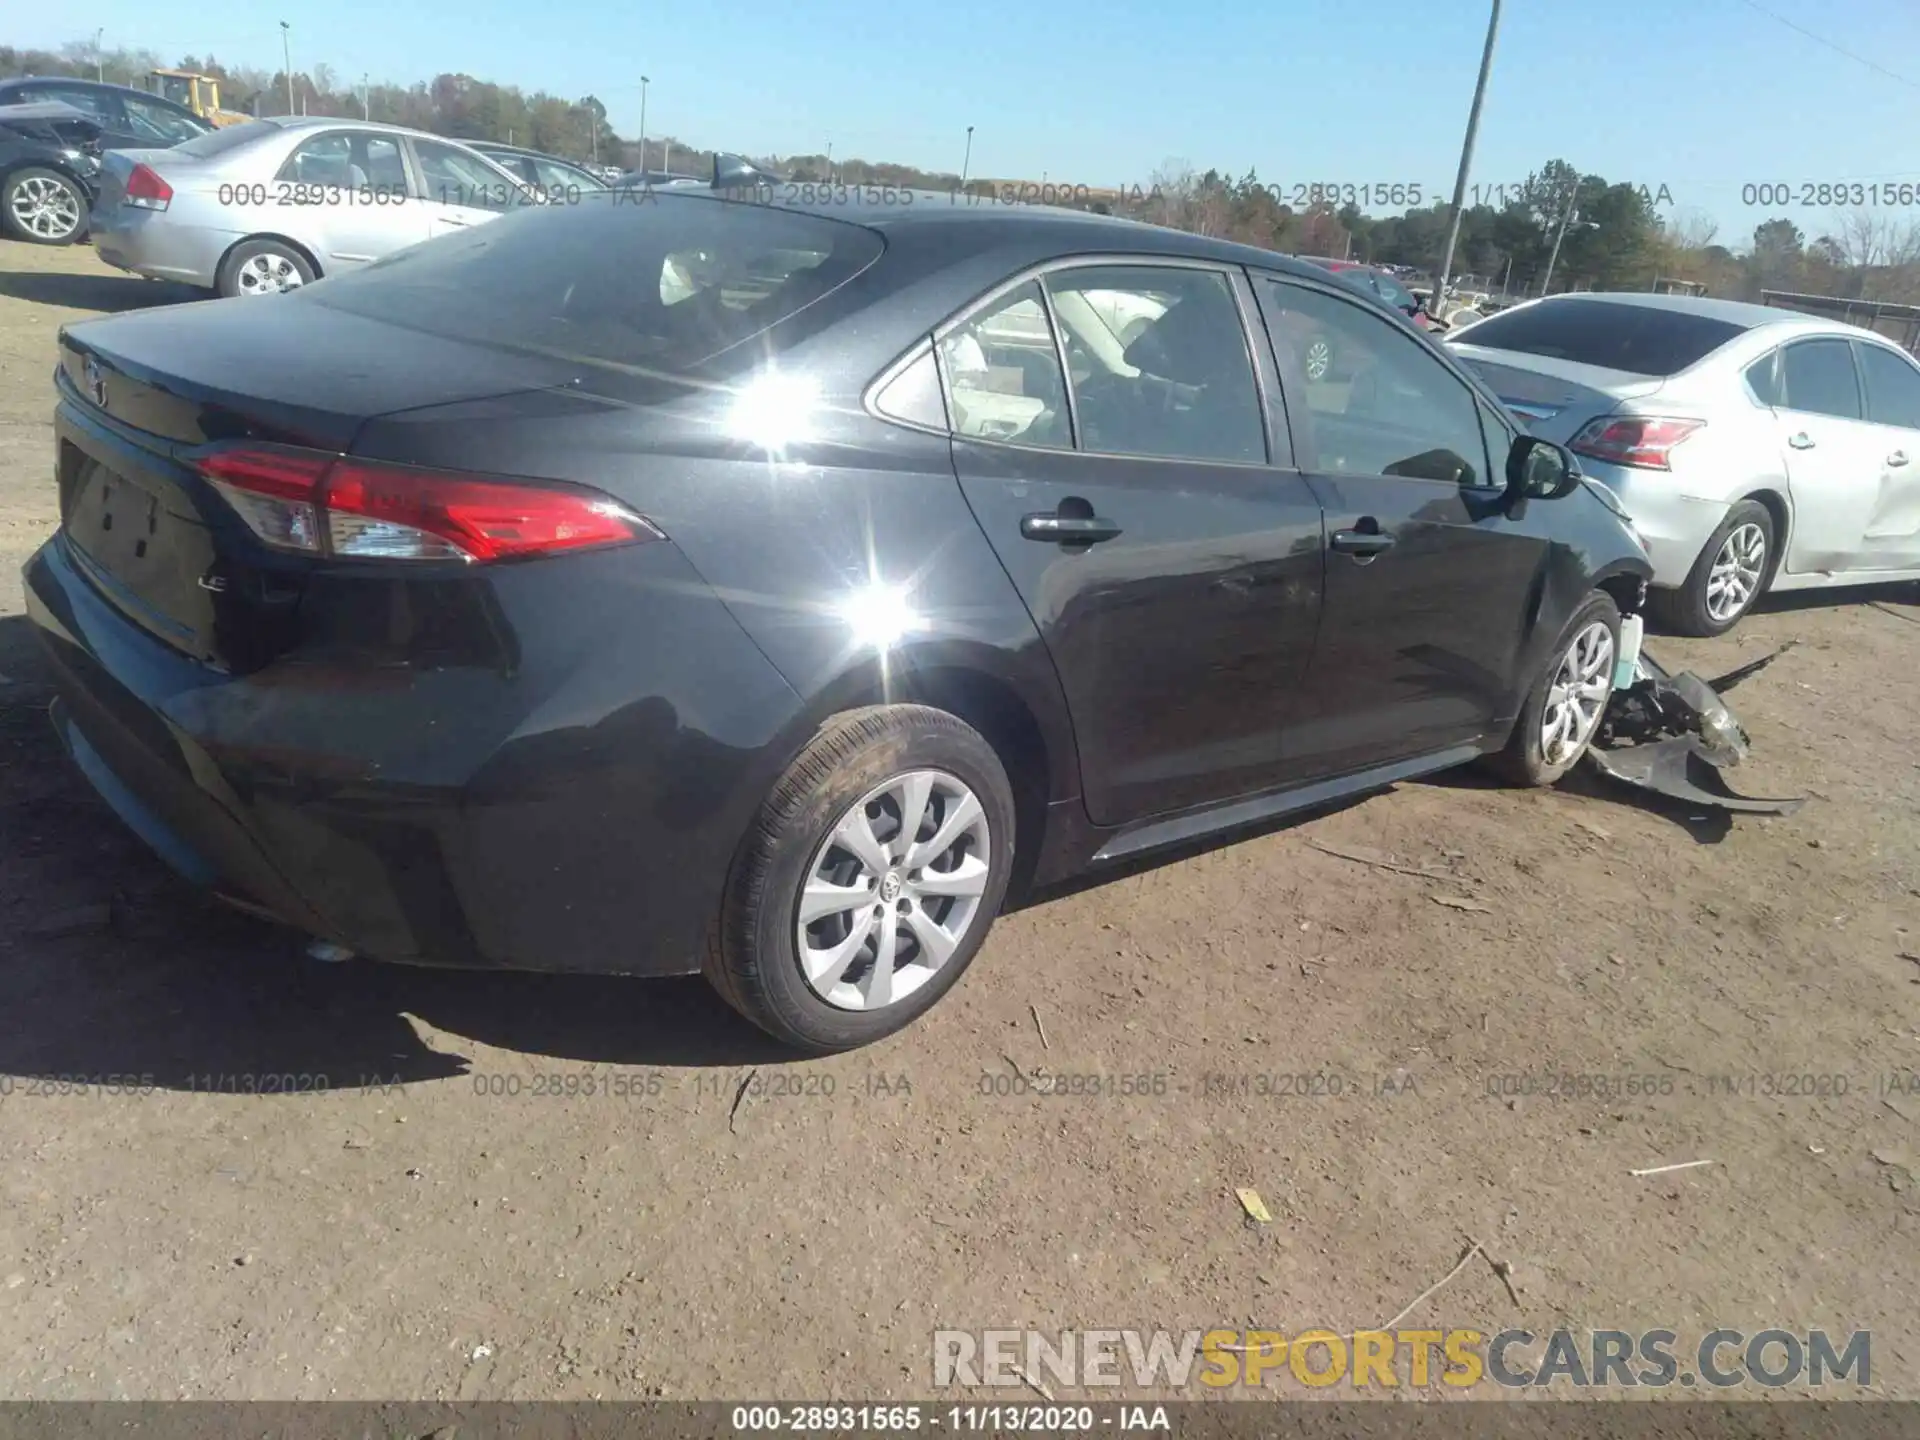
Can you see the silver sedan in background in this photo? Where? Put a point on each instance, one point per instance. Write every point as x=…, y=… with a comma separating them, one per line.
x=1755, y=449
x=273, y=204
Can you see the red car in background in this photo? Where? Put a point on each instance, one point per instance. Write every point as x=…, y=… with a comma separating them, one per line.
x=1377, y=283
x=1318, y=355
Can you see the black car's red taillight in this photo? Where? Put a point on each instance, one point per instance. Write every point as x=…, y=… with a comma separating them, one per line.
x=338, y=507
x=146, y=190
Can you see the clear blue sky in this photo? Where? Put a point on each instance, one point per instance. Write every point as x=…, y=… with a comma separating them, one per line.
x=1699, y=95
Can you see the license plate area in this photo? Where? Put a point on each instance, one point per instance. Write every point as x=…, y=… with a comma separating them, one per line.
x=145, y=555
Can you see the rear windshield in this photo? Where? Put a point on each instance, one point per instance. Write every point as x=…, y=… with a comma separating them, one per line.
x=215, y=142
x=1638, y=339
x=654, y=280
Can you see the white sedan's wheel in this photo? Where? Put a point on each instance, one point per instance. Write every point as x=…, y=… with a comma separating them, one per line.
x=267, y=275
x=263, y=267
x=1734, y=578
x=1731, y=573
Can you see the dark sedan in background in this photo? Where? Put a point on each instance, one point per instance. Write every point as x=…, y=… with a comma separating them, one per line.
x=129, y=119
x=49, y=172
x=764, y=590
x=559, y=180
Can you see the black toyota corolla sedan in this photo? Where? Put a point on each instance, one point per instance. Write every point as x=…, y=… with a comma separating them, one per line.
x=677, y=583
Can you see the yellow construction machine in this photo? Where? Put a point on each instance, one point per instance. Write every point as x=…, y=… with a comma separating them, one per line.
x=199, y=93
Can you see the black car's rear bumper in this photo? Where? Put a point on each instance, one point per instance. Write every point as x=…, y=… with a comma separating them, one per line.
x=527, y=813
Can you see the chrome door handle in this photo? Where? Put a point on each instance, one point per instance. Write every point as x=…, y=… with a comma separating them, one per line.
x=1898, y=457
x=1802, y=441
x=1068, y=529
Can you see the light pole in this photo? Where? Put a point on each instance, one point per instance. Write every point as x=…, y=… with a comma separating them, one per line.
x=1466, y=165
x=366, y=97
x=967, y=160
x=286, y=56
x=1571, y=217
x=643, y=123
x=829, y=162
x=99, y=60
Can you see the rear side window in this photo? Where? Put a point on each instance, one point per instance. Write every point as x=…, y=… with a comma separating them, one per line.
x=667, y=283
x=160, y=124
x=218, y=142
x=1818, y=378
x=1763, y=378
x=1003, y=374
x=1893, y=388
x=562, y=181
x=1637, y=339
x=94, y=104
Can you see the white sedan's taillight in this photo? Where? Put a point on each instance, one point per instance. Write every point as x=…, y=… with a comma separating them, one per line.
x=1643, y=441
x=334, y=506
x=146, y=190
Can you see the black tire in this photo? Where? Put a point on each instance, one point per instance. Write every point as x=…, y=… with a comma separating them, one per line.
x=233, y=268
x=18, y=191
x=1523, y=761
x=753, y=958
x=1684, y=611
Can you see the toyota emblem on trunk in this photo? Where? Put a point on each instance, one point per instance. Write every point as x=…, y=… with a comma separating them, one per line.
x=96, y=383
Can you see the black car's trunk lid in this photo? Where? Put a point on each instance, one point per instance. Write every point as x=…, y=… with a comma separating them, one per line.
x=277, y=368
x=146, y=393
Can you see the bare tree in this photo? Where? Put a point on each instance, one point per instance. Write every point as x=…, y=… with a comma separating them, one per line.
x=1691, y=230
x=1865, y=238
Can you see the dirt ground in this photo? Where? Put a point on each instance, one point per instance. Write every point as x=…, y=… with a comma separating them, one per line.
x=455, y=1235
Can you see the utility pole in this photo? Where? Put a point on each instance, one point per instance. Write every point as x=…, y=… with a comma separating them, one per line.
x=286, y=56
x=829, y=162
x=1565, y=220
x=99, y=59
x=1466, y=167
x=966, y=161
x=644, y=82
x=366, y=97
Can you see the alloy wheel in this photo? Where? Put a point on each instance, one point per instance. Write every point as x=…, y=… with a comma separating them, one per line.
x=267, y=274
x=45, y=207
x=893, y=890
x=1319, y=359
x=1734, y=579
x=1578, y=694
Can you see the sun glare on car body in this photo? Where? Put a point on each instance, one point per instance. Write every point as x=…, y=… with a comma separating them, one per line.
x=774, y=411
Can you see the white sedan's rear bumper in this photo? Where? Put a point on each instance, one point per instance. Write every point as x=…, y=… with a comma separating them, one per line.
x=1674, y=527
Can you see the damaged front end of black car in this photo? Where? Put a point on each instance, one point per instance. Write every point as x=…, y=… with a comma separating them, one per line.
x=1674, y=735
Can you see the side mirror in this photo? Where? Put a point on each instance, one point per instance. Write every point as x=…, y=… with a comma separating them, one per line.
x=1539, y=469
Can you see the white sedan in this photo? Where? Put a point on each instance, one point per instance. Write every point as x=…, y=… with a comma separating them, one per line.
x=274, y=204
x=1755, y=449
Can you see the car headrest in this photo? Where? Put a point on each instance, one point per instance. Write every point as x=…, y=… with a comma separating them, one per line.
x=1185, y=344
